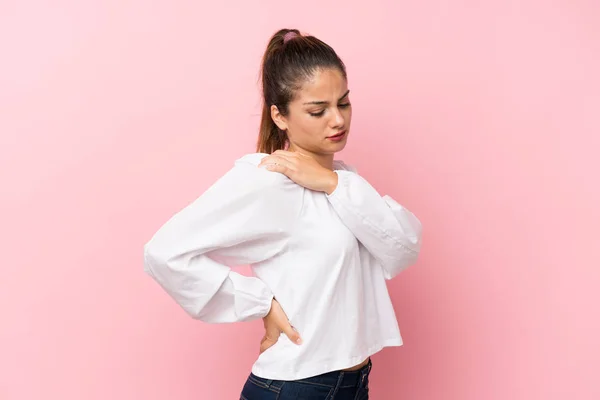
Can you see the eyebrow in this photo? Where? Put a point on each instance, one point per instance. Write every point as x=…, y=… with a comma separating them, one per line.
x=326, y=102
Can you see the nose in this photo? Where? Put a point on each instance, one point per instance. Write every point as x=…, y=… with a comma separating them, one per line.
x=337, y=119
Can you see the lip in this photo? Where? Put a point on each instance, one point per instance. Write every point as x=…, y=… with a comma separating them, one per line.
x=337, y=136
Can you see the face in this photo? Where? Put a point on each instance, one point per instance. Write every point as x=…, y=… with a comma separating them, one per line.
x=319, y=111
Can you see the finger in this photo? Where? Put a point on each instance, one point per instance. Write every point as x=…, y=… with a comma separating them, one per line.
x=278, y=168
x=264, y=160
x=292, y=334
x=279, y=164
x=272, y=159
x=265, y=346
x=266, y=342
x=282, y=158
x=272, y=333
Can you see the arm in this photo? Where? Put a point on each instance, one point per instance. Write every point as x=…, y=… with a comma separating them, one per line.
x=390, y=232
x=239, y=220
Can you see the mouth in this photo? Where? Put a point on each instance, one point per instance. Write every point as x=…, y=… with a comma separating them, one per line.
x=337, y=135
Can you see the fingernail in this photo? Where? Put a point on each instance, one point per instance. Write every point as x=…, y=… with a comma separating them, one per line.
x=299, y=341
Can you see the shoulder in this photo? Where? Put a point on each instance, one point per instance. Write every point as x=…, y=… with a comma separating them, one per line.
x=267, y=192
x=250, y=159
x=250, y=176
x=253, y=159
x=247, y=185
x=248, y=165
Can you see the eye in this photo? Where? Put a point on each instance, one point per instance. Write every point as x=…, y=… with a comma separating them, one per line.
x=320, y=113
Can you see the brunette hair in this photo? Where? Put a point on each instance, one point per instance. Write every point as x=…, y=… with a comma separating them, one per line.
x=289, y=60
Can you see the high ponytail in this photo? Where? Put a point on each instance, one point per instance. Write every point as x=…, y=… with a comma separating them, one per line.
x=288, y=61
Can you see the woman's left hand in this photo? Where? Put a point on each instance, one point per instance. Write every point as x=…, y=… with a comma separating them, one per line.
x=302, y=169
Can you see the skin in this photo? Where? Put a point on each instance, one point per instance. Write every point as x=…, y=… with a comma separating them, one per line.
x=320, y=109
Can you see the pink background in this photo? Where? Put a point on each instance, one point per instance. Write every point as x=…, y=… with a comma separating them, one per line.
x=481, y=117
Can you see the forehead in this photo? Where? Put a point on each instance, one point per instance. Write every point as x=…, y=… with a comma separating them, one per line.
x=325, y=85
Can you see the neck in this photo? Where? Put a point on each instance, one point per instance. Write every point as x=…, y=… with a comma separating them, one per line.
x=325, y=160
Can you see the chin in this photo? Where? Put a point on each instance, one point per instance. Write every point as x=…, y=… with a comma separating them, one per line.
x=339, y=147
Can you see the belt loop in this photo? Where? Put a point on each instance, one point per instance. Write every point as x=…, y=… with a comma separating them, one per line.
x=338, y=384
x=364, y=373
x=269, y=382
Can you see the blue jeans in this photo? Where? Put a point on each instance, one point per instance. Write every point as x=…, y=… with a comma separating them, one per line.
x=336, y=385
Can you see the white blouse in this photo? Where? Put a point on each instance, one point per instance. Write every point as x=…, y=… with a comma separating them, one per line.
x=324, y=257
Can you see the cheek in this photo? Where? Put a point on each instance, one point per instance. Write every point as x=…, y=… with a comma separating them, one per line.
x=307, y=127
x=348, y=115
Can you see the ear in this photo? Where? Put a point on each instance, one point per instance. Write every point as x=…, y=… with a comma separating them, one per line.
x=279, y=119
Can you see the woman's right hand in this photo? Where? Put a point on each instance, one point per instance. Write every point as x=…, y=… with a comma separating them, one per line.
x=276, y=322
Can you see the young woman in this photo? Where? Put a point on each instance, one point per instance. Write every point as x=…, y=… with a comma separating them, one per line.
x=320, y=239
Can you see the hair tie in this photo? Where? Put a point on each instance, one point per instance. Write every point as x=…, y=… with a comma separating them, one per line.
x=288, y=36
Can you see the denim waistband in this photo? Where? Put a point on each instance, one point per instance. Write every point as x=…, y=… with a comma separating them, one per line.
x=341, y=378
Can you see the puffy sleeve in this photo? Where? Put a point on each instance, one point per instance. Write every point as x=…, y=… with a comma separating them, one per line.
x=244, y=218
x=389, y=231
